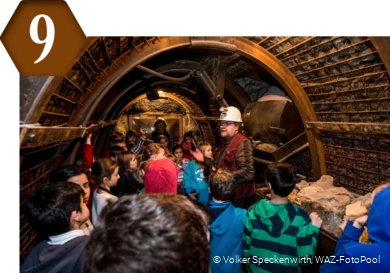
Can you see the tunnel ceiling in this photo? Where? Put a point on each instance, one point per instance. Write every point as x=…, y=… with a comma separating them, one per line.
x=181, y=62
x=328, y=68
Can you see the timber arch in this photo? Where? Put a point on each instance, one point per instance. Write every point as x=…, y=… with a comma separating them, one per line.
x=129, y=60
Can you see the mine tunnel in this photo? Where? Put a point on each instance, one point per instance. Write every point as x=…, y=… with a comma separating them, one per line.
x=321, y=104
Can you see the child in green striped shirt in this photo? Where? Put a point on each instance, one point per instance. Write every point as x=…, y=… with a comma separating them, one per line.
x=279, y=236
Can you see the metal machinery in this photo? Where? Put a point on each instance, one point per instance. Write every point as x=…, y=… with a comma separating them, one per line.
x=276, y=129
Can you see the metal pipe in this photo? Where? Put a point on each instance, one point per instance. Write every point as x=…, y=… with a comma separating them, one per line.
x=213, y=44
x=143, y=68
x=208, y=85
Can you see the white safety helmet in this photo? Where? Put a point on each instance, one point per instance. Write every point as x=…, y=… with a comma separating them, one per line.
x=230, y=113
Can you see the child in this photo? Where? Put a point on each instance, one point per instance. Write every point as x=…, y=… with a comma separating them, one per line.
x=161, y=176
x=56, y=211
x=169, y=228
x=74, y=174
x=366, y=257
x=130, y=139
x=153, y=151
x=127, y=184
x=105, y=173
x=188, y=143
x=160, y=126
x=227, y=223
x=164, y=142
x=181, y=164
x=194, y=182
x=116, y=139
x=278, y=229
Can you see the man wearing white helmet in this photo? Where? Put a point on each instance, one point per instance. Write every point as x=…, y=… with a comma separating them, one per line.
x=160, y=126
x=236, y=155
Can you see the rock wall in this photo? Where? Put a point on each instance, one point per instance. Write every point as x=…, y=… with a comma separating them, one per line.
x=335, y=205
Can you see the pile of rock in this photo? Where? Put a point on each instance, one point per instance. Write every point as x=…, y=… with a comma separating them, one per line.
x=335, y=205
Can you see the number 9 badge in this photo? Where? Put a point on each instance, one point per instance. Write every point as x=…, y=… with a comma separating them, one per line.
x=43, y=38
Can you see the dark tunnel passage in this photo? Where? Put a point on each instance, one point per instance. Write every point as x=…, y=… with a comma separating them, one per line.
x=321, y=104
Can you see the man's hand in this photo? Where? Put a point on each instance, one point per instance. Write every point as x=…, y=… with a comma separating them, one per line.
x=197, y=154
x=181, y=139
x=315, y=219
x=360, y=222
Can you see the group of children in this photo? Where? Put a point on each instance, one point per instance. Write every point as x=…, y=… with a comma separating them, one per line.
x=132, y=227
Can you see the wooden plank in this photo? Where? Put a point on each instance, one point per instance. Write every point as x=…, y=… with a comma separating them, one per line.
x=206, y=118
x=34, y=135
x=350, y=127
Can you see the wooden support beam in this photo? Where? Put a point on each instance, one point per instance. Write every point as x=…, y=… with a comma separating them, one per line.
x=75, y=85
x=262, y=41
x=278, y=43
x=33, y=135
x=297, y=45
x=310, y=85
x=308, y=49
x=329, y=54
x=206, y=118
x=106, y=50
x=93, y=60
x=85, y=71
x=342, y=73
x=350, y=127
x=336, y=64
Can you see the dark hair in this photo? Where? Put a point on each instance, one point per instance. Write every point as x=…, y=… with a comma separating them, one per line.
x=115, y=150
x=149, y=233
x=117, y=142
x=49, y=209
x=117, y=136
x=221, y=183
x=282, y=178
x=130, y=133
x=158, y=120
x=103, y=167
x=175, y=147
x=62, y=174
x=188, y=134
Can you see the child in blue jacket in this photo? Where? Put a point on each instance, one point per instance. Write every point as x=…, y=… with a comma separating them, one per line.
x=352, y=256
x=227, y=223
x=194, y=182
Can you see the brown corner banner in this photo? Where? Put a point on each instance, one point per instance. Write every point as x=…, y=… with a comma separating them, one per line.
x=43, y=38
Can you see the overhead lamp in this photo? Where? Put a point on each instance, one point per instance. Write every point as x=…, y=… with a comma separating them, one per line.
x=152, y=95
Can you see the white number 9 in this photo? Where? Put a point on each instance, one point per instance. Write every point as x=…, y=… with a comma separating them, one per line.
x=49, y=40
